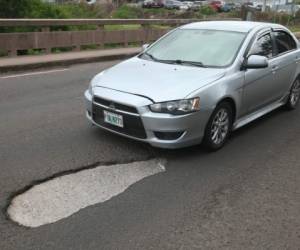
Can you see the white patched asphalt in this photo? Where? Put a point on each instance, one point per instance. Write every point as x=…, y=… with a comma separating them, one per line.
x=63, y=196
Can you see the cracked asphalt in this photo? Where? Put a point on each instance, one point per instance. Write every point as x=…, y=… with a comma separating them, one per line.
x=246, y=196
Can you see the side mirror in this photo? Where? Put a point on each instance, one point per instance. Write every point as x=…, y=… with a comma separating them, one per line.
x=145, y=46
x=256, y=62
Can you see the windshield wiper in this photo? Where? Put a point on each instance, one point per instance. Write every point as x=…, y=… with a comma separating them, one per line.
x=181, y=62
x=151, y=56
x=197, y=64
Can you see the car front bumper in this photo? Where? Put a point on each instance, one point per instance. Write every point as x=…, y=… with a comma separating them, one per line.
x=185, y=130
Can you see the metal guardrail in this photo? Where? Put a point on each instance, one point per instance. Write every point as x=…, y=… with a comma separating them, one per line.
x=46, y=39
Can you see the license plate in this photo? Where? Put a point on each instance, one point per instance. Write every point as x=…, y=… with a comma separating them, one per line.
x=113, y=119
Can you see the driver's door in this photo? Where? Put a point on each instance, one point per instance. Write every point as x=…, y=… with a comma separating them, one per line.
x=258, y=87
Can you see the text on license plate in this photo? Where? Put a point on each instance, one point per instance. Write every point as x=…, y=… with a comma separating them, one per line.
x=113, y=119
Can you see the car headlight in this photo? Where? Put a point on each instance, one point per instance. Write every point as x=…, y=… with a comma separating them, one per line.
x=178, y=107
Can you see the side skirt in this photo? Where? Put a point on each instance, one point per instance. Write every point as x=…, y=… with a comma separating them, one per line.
x=253, y=116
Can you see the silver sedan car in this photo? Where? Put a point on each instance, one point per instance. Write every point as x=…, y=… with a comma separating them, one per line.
x=198, y=83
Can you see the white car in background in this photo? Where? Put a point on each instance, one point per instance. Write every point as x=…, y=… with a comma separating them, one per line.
x=188, y=3
x=184, y=6
x=91, y=1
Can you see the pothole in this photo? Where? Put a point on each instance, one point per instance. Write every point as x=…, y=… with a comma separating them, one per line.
x=65, y=195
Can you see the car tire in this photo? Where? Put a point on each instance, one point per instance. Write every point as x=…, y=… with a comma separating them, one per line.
x=218, y=127
x=294, y=96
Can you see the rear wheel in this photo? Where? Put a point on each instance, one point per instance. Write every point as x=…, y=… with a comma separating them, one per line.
x=294, y=95
x=218, y=127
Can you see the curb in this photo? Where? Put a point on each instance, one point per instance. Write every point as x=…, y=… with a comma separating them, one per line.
x=65, y=62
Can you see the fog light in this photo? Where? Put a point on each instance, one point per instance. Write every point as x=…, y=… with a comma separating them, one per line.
x=168, y=136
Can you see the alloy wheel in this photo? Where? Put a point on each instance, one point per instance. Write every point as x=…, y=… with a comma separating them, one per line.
x=220, y=126
x=295, y=93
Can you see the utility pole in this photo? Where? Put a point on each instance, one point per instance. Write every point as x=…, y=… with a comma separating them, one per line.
x=293, y=8
x=263, y=9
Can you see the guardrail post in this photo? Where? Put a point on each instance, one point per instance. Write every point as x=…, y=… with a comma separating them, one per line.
x=146, y=29
x=101, y=31
x=47, y=50
x=125, y=39
x=76, y=48
x=12, y=53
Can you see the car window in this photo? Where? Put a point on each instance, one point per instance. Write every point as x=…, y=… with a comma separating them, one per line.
x=263, y=46
x=284, y=42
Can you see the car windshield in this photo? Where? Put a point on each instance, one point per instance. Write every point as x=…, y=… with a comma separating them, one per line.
x=211, y=48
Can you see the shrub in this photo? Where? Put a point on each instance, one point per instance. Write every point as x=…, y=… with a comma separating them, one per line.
x=207, y=10
x=159, y=12
x=18, y=8
x=40, y=9
x=282, y=18
x=128, y=12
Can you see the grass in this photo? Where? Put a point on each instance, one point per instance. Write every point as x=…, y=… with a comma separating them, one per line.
x=157, y=26
x=294, y=28
x=122, y=27
x=3, y=53
x=133, y=27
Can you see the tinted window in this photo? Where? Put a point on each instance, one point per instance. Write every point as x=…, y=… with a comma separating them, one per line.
x=263, y=47
x=284, y=42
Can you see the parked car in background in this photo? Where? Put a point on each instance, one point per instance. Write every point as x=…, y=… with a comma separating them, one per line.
x=91, y=2
x=147, y=3
x=153, y=4
x=198, y=83
x=202, y=2
x=248, y=4
x=258, y=7
x=216, y=5
x=189, y=4
x=184, y=6
x=227, y=7
x=173, y=4
x=196, y=5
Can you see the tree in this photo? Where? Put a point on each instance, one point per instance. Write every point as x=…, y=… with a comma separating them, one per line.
x=18, y=8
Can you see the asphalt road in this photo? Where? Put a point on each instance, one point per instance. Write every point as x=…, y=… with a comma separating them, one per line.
x=246, y=196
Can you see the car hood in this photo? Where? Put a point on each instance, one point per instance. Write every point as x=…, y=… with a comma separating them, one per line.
x=157, y=81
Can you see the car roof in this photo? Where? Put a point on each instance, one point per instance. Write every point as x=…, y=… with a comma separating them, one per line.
x=237, y=26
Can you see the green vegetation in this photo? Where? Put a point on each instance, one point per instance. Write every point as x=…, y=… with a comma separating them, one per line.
x=294, y=28
x=207, y=11
x=39, y=9
x=17, y=8
x=127, y=12
x=274, y=17
x=131, y=12
x=161, y=12
x=122, y=27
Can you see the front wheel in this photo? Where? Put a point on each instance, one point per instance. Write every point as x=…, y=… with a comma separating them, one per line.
x=294, y=95
x=218, y=127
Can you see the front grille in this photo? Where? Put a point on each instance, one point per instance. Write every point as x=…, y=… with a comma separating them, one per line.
x=133, y=124
x=116, y=105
